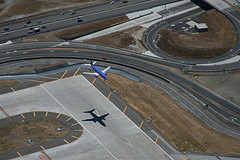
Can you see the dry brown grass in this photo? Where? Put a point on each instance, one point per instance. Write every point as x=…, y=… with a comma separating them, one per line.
x=15, y=136
x=76, y=31
x=178, y=126
x=220, y=38
x=5, y=83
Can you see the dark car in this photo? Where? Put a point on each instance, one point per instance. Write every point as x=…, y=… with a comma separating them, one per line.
x=79, y=20
x=43, y=27
x=125, y=1
x=28, y=22
x=31, y=28
x=6, y=29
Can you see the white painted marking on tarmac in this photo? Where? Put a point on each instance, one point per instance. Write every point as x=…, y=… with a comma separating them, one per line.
x=79, y=123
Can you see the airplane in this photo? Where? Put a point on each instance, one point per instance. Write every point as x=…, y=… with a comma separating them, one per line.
x=96, y=118
x=102, y=73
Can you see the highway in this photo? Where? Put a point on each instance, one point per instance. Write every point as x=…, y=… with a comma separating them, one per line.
x=90, y=14
x=225, y=110
x=220, y=107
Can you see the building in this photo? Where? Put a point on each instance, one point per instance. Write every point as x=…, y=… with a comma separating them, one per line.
x=201, y=27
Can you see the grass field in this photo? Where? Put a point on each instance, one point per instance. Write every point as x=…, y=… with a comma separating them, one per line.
x=220, y=38
x=15, y=136
x=183, y=130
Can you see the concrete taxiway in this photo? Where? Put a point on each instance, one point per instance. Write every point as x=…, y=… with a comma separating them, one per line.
x=121, y=139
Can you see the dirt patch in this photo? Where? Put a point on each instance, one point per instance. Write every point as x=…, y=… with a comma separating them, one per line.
x=220, y=38
x=183, y=130
x=16, y=136
x=5, y=83
x=130, y=39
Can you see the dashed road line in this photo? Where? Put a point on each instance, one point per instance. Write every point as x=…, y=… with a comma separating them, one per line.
x=66, y=141
x=68, y=119
x=94, y=81
x=156, y=139
x=64, y=74
x=7, y=115
x=78, y=130
x=109, y=95
x=75, y=124
x=76, y=72
x=75, y=137
x=42, y=147
x=22, y=115
x=58, y=115
x=125, y=109
x=19, y=154
x=141, y=125
x=12, y=89
x=31, y=80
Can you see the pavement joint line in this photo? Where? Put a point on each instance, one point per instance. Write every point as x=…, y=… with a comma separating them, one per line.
x=125, y=109
x=31, y=80
x=22, y=115
x=156, y=139
x=64, y=74
x=75, y=124
x=109, y=95
x=45, y=154
x=141, y=125
x=12, y=89
x=69, y=119
x=58, y=115
x=34, y=114
x=76, y=72
x=42, y=147
x=46, y=114
x=75, y=137
x=94, y=81
x=81, y=124
x=19, y=154
x=48, y=77
x=6, y=114
x=66, y=141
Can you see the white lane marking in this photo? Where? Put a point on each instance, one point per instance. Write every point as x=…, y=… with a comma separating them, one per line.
x=79, y=123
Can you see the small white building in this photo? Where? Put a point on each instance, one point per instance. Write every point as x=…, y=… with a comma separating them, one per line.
x=201, y=27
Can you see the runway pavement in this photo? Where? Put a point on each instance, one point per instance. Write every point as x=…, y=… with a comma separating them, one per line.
x=121, y=139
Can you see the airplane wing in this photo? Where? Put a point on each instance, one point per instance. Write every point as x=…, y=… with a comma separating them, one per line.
x=102, y=123
x=103, y=116
x=91, y=119
x=95, y=74
x=105, y=70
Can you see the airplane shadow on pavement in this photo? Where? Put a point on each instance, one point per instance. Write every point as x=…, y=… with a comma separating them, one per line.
x=96, y=118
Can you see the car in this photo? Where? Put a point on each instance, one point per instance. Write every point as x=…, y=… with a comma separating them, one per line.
x=31, y=31
x=79, y=17
x=73, y=13
x=28, y=22
x=79, y=20
x=31, y=28
x=62, y=13
x=125, y=1
x=112, y=2
x=6, y=29
x=43, y=27
x=36, y=30
x=5, y=33
x=24, y=25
